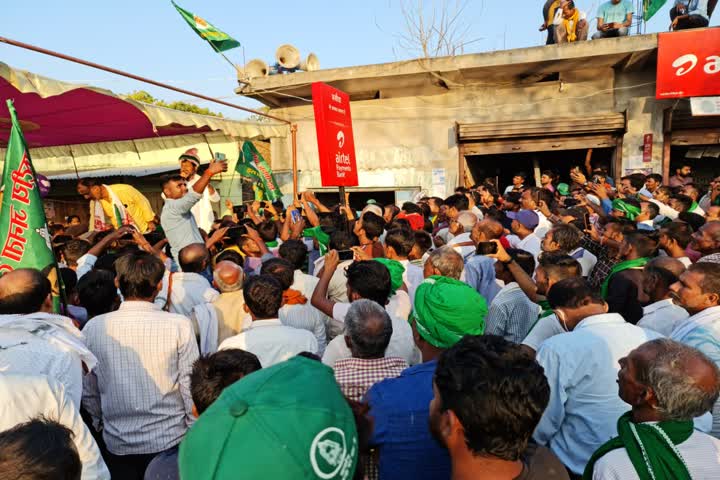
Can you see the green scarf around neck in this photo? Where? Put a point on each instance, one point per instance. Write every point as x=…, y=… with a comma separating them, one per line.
x=619, y=267
x=651, y=448
x=693, y=207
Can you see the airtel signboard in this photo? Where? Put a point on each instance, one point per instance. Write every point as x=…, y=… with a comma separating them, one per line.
x=336, y=146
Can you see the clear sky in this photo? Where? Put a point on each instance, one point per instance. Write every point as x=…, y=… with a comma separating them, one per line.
x=149, y=38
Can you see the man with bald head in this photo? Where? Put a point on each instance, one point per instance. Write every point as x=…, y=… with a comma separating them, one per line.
x=707, y=241
x=34, y=341
x=227, y=309
x=662, y=313
x=667, y=384
x=480, y=269
x=190, y=288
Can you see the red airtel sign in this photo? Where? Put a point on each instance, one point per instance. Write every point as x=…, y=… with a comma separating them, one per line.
x=688, y=63
x=336, y=146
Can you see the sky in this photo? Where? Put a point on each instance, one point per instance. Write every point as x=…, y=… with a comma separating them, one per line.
x=150, y=39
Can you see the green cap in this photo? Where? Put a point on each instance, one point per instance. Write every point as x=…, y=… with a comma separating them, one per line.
x=286, y=422
x=396, y=270
x=563, y=189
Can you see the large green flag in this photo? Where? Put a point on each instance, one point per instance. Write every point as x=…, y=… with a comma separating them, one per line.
x=250, y=156
x=24, y=235
x=651, y=7
x=219, y=40
x=249, y=173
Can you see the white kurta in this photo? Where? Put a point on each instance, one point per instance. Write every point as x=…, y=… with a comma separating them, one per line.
x=203, y=210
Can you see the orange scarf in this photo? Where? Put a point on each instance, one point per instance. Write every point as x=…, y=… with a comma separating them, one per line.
x=293, y=297
x=571, y=25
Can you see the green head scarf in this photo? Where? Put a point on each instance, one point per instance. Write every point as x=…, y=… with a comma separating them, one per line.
x=396, y=270
x=446, y=310
x=630, y=211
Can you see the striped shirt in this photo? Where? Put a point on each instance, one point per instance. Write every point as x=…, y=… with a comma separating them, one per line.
x=356, y=375
x=140, y=388
x=511, y=314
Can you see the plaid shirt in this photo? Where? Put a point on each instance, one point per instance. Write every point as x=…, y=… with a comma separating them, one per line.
x=357, y=375
x=604, y=262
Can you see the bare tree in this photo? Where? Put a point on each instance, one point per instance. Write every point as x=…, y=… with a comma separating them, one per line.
x=439, y=28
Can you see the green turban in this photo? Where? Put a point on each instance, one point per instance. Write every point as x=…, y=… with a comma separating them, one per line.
x=396, y=270
x=446, y=310
x=630, y=211
x=319, y=234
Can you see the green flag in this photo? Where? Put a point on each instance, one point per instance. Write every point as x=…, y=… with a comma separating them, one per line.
x=252, y=157
x=250, y=174
x=651, y=7
x=219, y=40
x=26, y=242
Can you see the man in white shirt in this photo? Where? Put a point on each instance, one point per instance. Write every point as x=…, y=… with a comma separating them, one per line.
x=398, y=244
x=566, y=238
x=227, y=308
x=267, y=337
x=203, y=211
x=530, y=200
x=661, y=314
x=461, y=228
x=524, y=223
x=667, y=384
x=33, y=341
x=674, y=239
x=581, y=367
x=140, y=390
x=189, y=288
x=698, y=291
x=296, y=252
x=370, y=280
x=25, y=397
x=296, y=310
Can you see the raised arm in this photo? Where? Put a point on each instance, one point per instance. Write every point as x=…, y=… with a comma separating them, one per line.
x=215, y=167
x=319, y=298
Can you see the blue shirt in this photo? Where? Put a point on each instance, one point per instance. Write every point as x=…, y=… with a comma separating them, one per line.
x=581, y=367
x=615, y=13
x=178, y=222
x=401, y=410
x=480, y=274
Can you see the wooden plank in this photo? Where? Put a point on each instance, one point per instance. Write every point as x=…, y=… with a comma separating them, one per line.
x=540, y=127
x=578, y=142
x=703, y=136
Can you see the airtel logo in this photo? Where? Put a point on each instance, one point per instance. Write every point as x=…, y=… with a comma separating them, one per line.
x=686, y=63
x=340, y=139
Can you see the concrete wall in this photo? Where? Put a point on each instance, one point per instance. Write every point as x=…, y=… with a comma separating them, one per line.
x=399, y=141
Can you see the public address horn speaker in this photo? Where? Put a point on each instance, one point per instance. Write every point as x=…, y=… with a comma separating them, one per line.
x=311, y=64
x=256, y=68
x=288, y=57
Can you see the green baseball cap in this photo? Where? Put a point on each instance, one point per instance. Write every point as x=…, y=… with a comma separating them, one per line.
x=289, y=421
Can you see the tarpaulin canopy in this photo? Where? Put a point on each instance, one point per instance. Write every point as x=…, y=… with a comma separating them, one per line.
x=54, y=113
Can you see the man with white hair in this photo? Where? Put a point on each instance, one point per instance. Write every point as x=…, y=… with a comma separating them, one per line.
x=226, y=311
x=445, y=262
x=461, y=227
x=368, y=329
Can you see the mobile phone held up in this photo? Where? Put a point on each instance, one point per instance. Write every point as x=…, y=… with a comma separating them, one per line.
x=486, y=248
x=295, y=216
x=220, y=157
x=344, y=255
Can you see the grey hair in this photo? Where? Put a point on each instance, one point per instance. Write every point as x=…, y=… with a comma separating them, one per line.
x=467, y=219
x=367, y=341
x=230, y=287
x=447, y=261
x=678, y=395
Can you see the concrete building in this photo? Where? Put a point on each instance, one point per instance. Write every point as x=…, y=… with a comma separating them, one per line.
x=432, y=124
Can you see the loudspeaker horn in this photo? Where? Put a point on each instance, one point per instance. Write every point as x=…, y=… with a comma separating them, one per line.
x=287, y=56
x=311, y=64
x=256, y=68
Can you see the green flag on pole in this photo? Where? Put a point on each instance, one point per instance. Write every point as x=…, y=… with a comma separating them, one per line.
x=250, y=156
x=249, y=173
x=24, y=238
x=219, y=40
x=651, y=7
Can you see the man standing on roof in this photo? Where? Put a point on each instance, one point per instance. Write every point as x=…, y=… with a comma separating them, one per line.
x=112, y=206
x=203, y=209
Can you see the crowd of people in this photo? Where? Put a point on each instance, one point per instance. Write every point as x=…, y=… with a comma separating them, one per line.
x=567, y=330
x=566, y=23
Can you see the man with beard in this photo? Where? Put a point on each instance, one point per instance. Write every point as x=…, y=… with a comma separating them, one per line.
x=707, y=241
x=481, y=383
x=698, y=291
x=682, y=176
